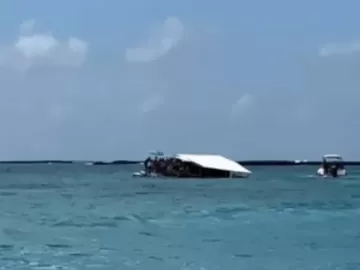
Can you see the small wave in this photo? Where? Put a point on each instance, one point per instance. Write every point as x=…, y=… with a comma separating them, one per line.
x=15, y=260
x=148, y=234
x=137, y=218
x=67, y=195
x=148, y=193
x=156, y=258
x=319, y=205
x=8, y=194
x=211, y=240
x=43, y=266
x=308, y=176
x=243, y=256
x=70, y=223
x=121, y=218
x=149, y=185
x=56, y=246
x=80, y=254
x=224, y=213
x=5, y=247
x=232, y=210
x=41, y=186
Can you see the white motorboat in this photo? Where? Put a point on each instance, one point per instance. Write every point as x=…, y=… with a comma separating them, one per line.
x=332, y=165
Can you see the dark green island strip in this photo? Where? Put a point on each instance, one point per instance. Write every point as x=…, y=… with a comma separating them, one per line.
x=36, y=161
x=129, y=162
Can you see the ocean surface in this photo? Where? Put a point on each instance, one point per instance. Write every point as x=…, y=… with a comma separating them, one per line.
x=99, y=217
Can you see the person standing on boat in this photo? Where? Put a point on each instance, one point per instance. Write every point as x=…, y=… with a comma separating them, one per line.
x=325, y=166
x=147, y=165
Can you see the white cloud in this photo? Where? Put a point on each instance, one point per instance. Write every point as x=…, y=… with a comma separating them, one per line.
x=339, y=48
x=27, y=27
x=31, y=49
x=242, y=106
x=165, y=38
x=152, y=103
x=152, y=83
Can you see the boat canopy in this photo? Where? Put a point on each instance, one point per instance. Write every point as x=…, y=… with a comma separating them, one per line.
x=332, y=157
x=156, y=153
x=216, y=162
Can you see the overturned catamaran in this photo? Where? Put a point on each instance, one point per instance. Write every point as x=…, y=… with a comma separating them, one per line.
x=194, y=166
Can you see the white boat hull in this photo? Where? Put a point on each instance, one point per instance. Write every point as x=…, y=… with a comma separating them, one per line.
x=139, y=174
x=340, y=172
x=144, y=174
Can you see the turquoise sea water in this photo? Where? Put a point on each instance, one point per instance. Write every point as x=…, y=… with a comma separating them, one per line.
x=99, y=217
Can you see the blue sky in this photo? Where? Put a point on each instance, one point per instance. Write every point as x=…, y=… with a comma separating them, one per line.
x=117, y=79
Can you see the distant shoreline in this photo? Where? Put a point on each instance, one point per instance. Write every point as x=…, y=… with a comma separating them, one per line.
x=129, y=162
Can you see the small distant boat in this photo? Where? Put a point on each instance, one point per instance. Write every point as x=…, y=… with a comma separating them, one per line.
x=198, y=166
x=332, y=166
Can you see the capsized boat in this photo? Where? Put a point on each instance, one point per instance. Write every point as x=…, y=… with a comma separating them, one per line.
x=195, y=166
x=332, y=165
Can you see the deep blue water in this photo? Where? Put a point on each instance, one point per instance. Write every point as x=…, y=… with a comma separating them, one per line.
x=84, y=217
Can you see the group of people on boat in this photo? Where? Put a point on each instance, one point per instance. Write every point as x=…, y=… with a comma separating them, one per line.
x=331, y=168
x=167, y=166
